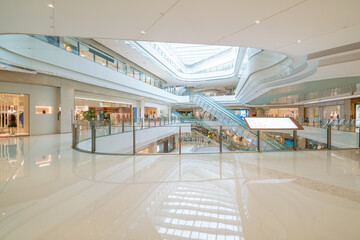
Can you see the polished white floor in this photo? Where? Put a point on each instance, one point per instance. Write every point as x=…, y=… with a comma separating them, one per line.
x=49, y=191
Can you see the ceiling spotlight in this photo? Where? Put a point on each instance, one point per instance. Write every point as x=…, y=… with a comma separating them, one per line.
x=50, y=5
x=298, y=41
x=142, y=32
x=257, y=21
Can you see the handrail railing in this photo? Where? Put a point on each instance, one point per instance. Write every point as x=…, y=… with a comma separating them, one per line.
x=92, y=136
x=342, y=124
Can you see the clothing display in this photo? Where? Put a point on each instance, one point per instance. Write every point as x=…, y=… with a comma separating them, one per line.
x=12, y=120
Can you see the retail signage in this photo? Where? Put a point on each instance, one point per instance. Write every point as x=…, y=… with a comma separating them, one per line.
x=271, y=123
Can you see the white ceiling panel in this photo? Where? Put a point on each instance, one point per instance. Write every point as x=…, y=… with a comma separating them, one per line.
x=319, y=24
x=305, y=22
x=120, y=19
x=206, y=21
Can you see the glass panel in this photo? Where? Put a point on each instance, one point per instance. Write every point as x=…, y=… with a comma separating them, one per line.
x=162, y=139
x=100, y=60
x=343, y=139
x=200, y=139
x=121, y=67
x=112, y=64
x=70, y=45
x=84, y=52
x=235, y=142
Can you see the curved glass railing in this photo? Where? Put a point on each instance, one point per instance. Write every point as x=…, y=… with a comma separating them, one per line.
x=192, y=135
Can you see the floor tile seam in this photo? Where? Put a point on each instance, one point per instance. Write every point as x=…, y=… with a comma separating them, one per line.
x=332, y=189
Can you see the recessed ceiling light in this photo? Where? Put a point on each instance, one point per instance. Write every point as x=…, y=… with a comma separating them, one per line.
x=257, y=21
x=299, y=41
x=142, y=32
x=50, y=5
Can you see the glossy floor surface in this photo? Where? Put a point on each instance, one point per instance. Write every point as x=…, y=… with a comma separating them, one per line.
x=49, y=191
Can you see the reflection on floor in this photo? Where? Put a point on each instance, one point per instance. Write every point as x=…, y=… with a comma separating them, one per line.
x=49, y=191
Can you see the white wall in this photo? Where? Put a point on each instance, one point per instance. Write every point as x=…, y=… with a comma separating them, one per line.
x=38, y=96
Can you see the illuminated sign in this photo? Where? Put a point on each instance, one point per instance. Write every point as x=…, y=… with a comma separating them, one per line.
x=269, y=123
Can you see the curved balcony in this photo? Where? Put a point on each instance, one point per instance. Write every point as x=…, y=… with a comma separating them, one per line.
x=268, y=70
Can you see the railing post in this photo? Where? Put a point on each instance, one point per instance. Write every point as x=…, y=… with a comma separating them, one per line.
x=123, y=126
x=295, y=140
x=220, y=139
x=109, y=122
x=93, y=137
x=359, y=136
x=74, y=129
x=142, y=123
x=160, y=122
x=259, y=141
x=179, y=139
x=328, y=137
x=134, y=142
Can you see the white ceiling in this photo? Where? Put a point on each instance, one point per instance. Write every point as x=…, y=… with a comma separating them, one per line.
x=319, y=24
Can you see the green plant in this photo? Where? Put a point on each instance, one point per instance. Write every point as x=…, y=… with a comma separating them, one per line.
x=89, y=115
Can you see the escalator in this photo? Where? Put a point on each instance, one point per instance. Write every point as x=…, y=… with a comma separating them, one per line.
x=230, y=139
x=236, y=124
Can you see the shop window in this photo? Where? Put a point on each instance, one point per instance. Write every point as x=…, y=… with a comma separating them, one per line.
x=44, y=110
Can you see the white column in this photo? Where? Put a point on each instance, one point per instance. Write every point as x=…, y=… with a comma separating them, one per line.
x=142, y=110
x=67, y=96
x=347, y=109
x=169, y=110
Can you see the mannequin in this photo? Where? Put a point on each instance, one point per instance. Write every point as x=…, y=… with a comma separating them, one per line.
x=12, y=120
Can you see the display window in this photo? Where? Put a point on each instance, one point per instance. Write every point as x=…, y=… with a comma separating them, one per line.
x=97, y=110
x=150, y=112
x=331, y=111
x=282, y=112
x=14, y=114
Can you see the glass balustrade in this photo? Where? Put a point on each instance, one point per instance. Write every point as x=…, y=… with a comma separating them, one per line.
x=184, y=135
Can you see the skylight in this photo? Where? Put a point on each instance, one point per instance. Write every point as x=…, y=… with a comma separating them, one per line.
x=191, y=54
x=192, y=62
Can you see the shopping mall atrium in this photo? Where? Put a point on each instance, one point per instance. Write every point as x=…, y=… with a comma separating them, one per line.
x=178, y=119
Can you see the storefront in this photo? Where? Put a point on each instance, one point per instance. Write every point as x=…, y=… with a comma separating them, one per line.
x=282, y=112
x=242, y=112
x=331, y=111
x=14, y=114
x=150, y=112
x=100, y=110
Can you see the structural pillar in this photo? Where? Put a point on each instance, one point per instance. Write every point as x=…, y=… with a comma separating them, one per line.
x=65, y=110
